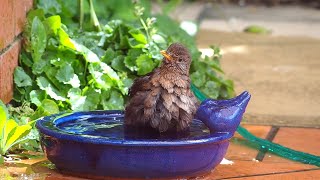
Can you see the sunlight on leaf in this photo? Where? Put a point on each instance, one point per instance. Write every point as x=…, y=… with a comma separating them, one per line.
x=45, y=85
x=65, y=40
x=53, y=23
x=138, y=36
x=18, y=133
x=87, y=53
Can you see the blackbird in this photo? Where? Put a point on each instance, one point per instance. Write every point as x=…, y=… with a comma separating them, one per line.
x=162, y=99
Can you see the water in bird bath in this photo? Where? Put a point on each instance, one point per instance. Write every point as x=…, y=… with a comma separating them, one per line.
x=112, y=126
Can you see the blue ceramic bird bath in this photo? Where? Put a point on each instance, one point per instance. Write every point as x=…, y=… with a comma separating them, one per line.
x=96, y=143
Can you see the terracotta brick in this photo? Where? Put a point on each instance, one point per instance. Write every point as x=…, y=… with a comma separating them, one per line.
x=7, y=23
x=21, y=8
x=8, y=61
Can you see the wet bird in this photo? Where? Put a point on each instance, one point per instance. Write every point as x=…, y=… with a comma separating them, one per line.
x=162, y=99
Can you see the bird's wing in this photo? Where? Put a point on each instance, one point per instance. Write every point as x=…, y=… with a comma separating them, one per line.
x=140, y=84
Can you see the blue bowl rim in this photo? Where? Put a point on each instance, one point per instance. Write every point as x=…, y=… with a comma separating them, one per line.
x=212, y=138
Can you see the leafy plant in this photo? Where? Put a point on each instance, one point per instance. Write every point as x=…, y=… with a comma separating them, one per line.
x=67, y=69
x=24, y=114
x=10, y=132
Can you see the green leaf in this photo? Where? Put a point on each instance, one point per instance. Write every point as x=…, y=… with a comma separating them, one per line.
x=40, y=112
x=65, y=73
x=87, y=53
x=21, y=78
x=45, y=85
x=104, y=75
x=135, y=44
x=65, y=40
x=3, y=112
x=118, y=64
x=158, y=39
x=212, y=89
x=93, y=98
x=36, y=13
x=39, y=66
x=103, y=80
x=227, y=90
x=198, y=78
x=154, y=50
x=3, y=120
x=130, y=63
x=74, y=81
x=86, y=102
x=51, y=74
x=53, y=23
x=77, y=101
x=37, y=97
x=114, y=102
x=16, y=133
x=9, y=125
x=38, y=39
x=130, y=59
x=50, y=106
x=144, y=64
x=127, y=82
x=49, y=6
x=138, y=36
x=25, y=60
x=108, y=56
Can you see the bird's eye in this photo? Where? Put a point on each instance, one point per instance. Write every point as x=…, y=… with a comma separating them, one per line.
x=180, y=60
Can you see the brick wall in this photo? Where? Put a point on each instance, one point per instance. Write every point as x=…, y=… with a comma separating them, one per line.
x=12, y=20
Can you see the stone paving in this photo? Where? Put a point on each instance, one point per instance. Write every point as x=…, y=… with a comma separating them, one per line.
x=281, y=70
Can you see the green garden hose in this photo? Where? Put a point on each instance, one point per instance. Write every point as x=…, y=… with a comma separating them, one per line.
x=267, y=145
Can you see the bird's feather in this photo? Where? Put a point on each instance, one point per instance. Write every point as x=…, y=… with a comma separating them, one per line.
x=162, y=99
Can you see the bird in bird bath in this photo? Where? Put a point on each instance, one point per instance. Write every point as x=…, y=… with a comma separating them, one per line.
x=162, y=99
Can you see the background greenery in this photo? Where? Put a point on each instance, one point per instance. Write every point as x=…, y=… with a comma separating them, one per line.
x=84, y=56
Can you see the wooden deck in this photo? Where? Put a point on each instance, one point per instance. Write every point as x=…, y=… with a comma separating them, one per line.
x=248, y=163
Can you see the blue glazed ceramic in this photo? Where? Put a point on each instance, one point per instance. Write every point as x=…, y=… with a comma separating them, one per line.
x=223, y=115
x=97, y=143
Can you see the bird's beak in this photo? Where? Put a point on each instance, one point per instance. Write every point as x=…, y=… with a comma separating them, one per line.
x=166, y=55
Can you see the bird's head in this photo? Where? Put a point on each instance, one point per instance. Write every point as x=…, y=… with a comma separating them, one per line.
x=178, y=57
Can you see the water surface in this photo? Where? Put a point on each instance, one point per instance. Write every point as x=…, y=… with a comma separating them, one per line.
x=111, y=126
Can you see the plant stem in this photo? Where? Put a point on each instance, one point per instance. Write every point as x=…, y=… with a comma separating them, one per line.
x=85, y=71
x=94, y=17
x=145, y=28
x=81, y=14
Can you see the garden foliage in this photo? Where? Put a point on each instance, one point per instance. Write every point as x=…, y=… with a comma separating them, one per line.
x=80, y=57
x=11, y=133
x=71, y=69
